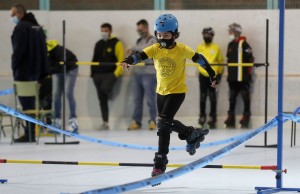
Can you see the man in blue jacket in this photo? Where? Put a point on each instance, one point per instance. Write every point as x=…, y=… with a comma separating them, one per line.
x=29, y=58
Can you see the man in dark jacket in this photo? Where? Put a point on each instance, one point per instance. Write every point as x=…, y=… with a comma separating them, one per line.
x=109, y=52
x=29, y=58
x=239, y=77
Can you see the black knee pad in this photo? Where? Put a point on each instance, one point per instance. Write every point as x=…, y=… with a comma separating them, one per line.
x=163, y=126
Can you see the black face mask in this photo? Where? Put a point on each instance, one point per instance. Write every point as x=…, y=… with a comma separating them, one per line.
x=207, y=40
x=166, y=43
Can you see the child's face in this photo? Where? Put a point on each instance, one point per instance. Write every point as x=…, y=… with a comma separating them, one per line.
x=164, y=35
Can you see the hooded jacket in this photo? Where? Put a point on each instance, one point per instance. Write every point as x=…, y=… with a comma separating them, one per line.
x=239, y=51
x=56, y=55
x=29, y=58
x=110, y=51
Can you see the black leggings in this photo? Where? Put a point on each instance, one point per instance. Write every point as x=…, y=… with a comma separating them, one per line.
x=104, y=84
x=207, y=90
x=167, y=107
x=236, y=88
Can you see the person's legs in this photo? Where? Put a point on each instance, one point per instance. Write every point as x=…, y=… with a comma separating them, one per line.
x=245, y=92
x=58, y=89
x=203, y=96
x=106, y=88
x=27, y=103
x=166, y=113
x=233, y=92
x=149, y=85
x=70, y=85
x=213, y=107
x=138, y=96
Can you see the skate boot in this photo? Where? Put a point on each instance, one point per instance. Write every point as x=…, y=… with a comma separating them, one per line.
x=56, y=123
x=212, y=122
x=73, y=125
x=160, y=165
x=230, y=122
x=202, y=120
x=196, y=136
x=244, y=122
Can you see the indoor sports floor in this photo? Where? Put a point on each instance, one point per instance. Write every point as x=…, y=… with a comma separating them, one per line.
x=50, y=179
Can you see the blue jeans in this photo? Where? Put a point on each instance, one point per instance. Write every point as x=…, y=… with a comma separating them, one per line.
x=144, y=84
x=58, y=89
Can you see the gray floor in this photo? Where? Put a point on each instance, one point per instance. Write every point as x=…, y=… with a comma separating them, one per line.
x=46, y=179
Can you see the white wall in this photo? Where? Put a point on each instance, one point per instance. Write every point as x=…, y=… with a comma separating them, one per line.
x=83, y=31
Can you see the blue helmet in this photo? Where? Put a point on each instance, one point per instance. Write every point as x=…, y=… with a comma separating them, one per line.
x=166, y=23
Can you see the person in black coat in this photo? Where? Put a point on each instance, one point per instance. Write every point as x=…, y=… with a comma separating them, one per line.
x=239, y=77
x=29, y=58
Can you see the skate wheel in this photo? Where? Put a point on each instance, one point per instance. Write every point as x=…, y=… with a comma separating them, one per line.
x=192, y=152
x=3, y=180
x=155, y=185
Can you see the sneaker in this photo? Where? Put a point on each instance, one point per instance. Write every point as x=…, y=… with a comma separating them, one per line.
x=134, y=126
x=104, y=126
x=73, y=125
x=57, y=124
x=152, y=125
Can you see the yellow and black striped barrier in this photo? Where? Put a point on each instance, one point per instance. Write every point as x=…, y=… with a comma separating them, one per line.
x=188, y=64
x=84, y=163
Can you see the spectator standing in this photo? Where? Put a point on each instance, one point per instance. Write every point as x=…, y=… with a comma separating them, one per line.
x=144, y=80
x=109, y=52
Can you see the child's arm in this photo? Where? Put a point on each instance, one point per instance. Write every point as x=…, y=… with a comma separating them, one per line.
x=134, y=59
x=201, y=60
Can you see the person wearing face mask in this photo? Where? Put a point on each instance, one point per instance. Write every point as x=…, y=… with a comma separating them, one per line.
x=170, y=62
x=239, y=77
x=144, y=80
x=29, y=58
x=109, y=52
x=213, y=54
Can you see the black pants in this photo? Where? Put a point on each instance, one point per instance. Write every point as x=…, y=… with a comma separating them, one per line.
x=45, y=94
x=236, y=88
x=28, y=103
x=207, y=90
x=104, y=84
x=167, y=107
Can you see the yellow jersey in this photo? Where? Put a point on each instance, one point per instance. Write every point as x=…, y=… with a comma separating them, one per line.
x=170, y=67
x=213, y=54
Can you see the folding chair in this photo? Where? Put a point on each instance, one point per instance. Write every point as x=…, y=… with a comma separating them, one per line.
x=30, y=89
x=2, y=125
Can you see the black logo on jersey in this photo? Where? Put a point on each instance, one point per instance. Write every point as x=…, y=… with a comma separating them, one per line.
x=166, y=66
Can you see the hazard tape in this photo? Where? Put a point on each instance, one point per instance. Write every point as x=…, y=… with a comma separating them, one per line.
x=6, y=91
x=200, y=163
x=18, y=114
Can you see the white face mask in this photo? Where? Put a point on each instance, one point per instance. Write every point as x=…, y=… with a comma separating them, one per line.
x=15, y=20
x=231, y=37
x=104, y=35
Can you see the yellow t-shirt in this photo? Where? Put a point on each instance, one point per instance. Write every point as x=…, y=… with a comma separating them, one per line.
x=213, y=54
x=170, y=67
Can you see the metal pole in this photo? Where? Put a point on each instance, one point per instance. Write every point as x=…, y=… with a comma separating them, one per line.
x=266, y=78
x=64, y=87
x=280, y=92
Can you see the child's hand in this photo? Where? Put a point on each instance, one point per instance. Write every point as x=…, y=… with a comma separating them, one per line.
x=126, y=63
x=214, y=82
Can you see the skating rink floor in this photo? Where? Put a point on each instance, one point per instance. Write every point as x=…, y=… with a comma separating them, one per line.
x=51, y=179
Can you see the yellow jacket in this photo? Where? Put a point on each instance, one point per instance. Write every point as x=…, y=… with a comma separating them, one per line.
x=213, y=54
